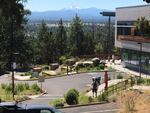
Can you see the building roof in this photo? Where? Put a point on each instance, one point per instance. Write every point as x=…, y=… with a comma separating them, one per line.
x=136, y=6
x=132, y=13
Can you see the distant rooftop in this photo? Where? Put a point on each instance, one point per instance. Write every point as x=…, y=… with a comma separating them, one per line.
x=133, y=6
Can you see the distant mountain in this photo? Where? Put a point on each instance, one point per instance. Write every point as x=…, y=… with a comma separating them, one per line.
x=89, y=14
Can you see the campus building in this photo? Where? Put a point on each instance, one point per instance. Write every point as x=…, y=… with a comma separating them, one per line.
x=135, y=47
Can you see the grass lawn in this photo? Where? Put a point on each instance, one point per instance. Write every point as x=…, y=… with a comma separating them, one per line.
x=22, y=91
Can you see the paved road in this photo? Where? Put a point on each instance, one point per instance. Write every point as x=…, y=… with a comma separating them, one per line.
x=102, y=108
x=57, y=87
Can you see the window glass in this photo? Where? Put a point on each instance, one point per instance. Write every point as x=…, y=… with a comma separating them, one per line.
x=133, y=57
x=46, y=111
x=1, y=110
x=33, y=111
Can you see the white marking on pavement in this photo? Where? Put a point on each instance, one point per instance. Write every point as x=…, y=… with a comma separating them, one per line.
x=52, y=95
x=45, y=97
x=92, y=73
x=101, y=111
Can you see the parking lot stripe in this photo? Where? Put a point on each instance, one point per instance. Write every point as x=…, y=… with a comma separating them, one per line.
x=101, y=111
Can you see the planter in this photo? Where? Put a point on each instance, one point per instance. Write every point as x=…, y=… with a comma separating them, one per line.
x=134, y=38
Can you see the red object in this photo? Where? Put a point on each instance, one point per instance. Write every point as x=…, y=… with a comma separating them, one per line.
x=106, y=81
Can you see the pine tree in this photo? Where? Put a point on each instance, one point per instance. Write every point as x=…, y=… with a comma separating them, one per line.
x=76, y=37
x=12, y=32
x=61, y=37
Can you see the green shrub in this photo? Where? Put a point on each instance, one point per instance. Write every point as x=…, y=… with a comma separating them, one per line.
x=148, y=82
x=87, y=65
x=119, y=76
x=35, y=87
x=26, y=86
x=83, y=99
x=58, y=103
x=102, y=97
x=28, y=73
x=74, y=90
x=81, y=65
x=96, y=62
x=62, y=59
x=102, y=66
x=88, y=68
x=90, y=99
x=140, y=81
x=20, y=87
x=8, y=89
x=46, y=67
x=98, y=68
x=72, y=97
x=110, y=68
x=3, y=86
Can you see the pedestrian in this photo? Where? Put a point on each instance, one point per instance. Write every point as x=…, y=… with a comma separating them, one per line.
x=94, y=86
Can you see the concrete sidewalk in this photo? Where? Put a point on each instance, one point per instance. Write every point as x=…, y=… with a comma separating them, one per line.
x=101, y=87
x=117, y=66
x=17, y=76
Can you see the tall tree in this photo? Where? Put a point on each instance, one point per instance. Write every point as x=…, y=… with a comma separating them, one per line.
x=46, y=44
x=76, y=37
x=88, y=42
x=12, y=21
x=61, y=37
x=105, y=43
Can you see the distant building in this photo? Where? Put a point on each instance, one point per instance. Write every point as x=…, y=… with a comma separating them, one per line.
x=135, y=48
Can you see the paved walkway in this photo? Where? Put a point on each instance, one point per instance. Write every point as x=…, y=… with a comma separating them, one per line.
x=101, y=87
x=117, y=66
x=120, y=67
x=17, y=76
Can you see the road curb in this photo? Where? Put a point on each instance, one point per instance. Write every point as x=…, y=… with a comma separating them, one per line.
x=65, y=75
x=80, y=105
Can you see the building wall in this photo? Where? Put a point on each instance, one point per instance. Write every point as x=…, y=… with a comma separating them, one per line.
x=131, y=14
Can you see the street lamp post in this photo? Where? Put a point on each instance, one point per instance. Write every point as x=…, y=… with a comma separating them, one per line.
x=140, y=55
x=13, y=63
x=12, y=56
x=108, y=14
x=13, y=81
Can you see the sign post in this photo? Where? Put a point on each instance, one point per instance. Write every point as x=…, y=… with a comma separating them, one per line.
x=41, y=79
x=106, y=80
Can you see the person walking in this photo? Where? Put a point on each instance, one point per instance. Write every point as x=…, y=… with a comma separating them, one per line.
x=94, y=86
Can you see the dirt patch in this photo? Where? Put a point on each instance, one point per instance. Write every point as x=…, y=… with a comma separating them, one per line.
x=134, y=102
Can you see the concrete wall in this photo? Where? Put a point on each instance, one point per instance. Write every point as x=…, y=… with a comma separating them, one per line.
x=132, y=14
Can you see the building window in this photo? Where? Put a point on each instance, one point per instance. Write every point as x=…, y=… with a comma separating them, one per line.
x=132, y=57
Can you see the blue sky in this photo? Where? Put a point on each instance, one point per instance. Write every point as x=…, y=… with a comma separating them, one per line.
x=44, y=5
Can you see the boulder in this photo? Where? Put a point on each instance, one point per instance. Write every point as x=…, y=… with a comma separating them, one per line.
x=54, y=66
